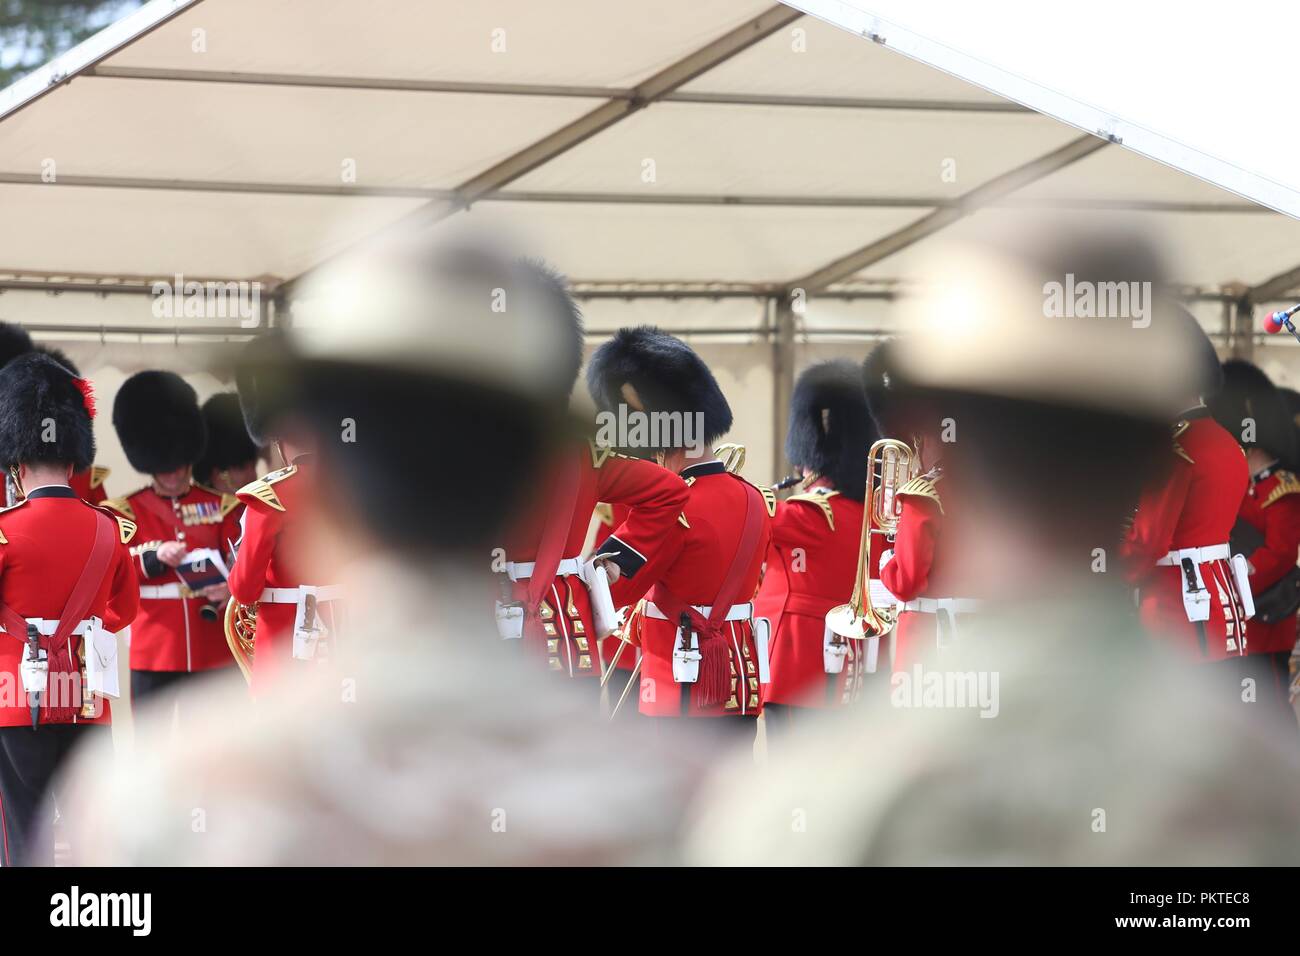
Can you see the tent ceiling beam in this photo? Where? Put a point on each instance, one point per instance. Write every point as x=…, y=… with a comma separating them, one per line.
x=981, y=196
x=647, y=198
x=388, y=84
x=1273, y=289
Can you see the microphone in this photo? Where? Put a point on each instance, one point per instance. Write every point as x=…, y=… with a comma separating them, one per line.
x=1275, y=322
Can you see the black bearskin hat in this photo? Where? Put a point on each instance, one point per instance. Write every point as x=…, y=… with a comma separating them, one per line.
x=59, y=356
x=664, y=375
x=1209, y=371
x=1249, y=395
x=228, y=440
x=157, y=418
x=35, y=388
x=882, y=390
x=1292, y=399
x=563, y=309
x=830, y=427
x=14, y=341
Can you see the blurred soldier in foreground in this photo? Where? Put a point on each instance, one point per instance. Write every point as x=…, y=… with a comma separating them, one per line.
x=560, y=606
x=184, y=529
x=813, y=557
x=229, y=459
x=434, y=745
x=1191, y=594
x=702, y=656
x=1267, y=531
x=66, y=584
x=1055, y=733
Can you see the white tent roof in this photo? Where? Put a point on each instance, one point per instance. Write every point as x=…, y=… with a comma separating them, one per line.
x=212, y=139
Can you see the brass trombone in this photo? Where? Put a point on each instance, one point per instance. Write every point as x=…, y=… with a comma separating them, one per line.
x=890, y=465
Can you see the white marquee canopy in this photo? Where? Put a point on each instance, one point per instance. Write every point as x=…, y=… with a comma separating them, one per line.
x=715, y=153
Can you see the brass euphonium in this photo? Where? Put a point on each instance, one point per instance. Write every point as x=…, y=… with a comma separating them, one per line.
x=890, y=465
x=241, y=630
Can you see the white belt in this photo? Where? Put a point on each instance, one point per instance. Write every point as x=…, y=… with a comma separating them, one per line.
x=330, y=592
x=47, y=627
x=935, y=605
x=738, y=612
x=523, y=570
x=1213, y=552
x=162, y=591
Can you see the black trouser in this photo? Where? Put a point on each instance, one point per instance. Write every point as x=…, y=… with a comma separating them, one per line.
x=30, y=760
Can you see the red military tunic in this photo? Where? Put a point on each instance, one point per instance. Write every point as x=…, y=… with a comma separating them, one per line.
x=916, y=568
x=170, y=633
x=1272, y=506
x=564, y=631
x=44, y=543
x=1194, y=507
x=89, y=484
x=692, y=566
x=266, y=559
x=812, y=566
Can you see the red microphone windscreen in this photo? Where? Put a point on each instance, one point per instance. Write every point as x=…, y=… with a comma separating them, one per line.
x=1272, y=324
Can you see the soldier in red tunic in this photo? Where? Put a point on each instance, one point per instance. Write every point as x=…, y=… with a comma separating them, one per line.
x=293, y=611
x=701, y=656
x=552, y=610
x=1177, y=550
x=813, y=559
x=88, y=482
x=1268, y=530
x=66, y=584
x=914, y=569
x=229, y=459
x=183, y=528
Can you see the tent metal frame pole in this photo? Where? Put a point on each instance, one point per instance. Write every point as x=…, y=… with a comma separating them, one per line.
x=398, y=85
x=621, y=198
x=784, y=322
x=1276, y=288
x=981, y=196
x=85, y=55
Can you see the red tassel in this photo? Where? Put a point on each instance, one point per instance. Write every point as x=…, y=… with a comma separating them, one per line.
x=87, y=391
x=715, y=670
x=65, y=678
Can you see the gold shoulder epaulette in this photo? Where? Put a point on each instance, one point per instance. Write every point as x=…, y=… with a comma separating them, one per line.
x=263, y=492
x=1287, y=484
x=125, y=528
x=822, y=501
x=769, y=496
x=921, y=486
x=97, y=475
x=121, y=505
x=599, y=453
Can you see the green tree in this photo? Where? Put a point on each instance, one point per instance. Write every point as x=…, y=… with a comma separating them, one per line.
x=34, y=31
